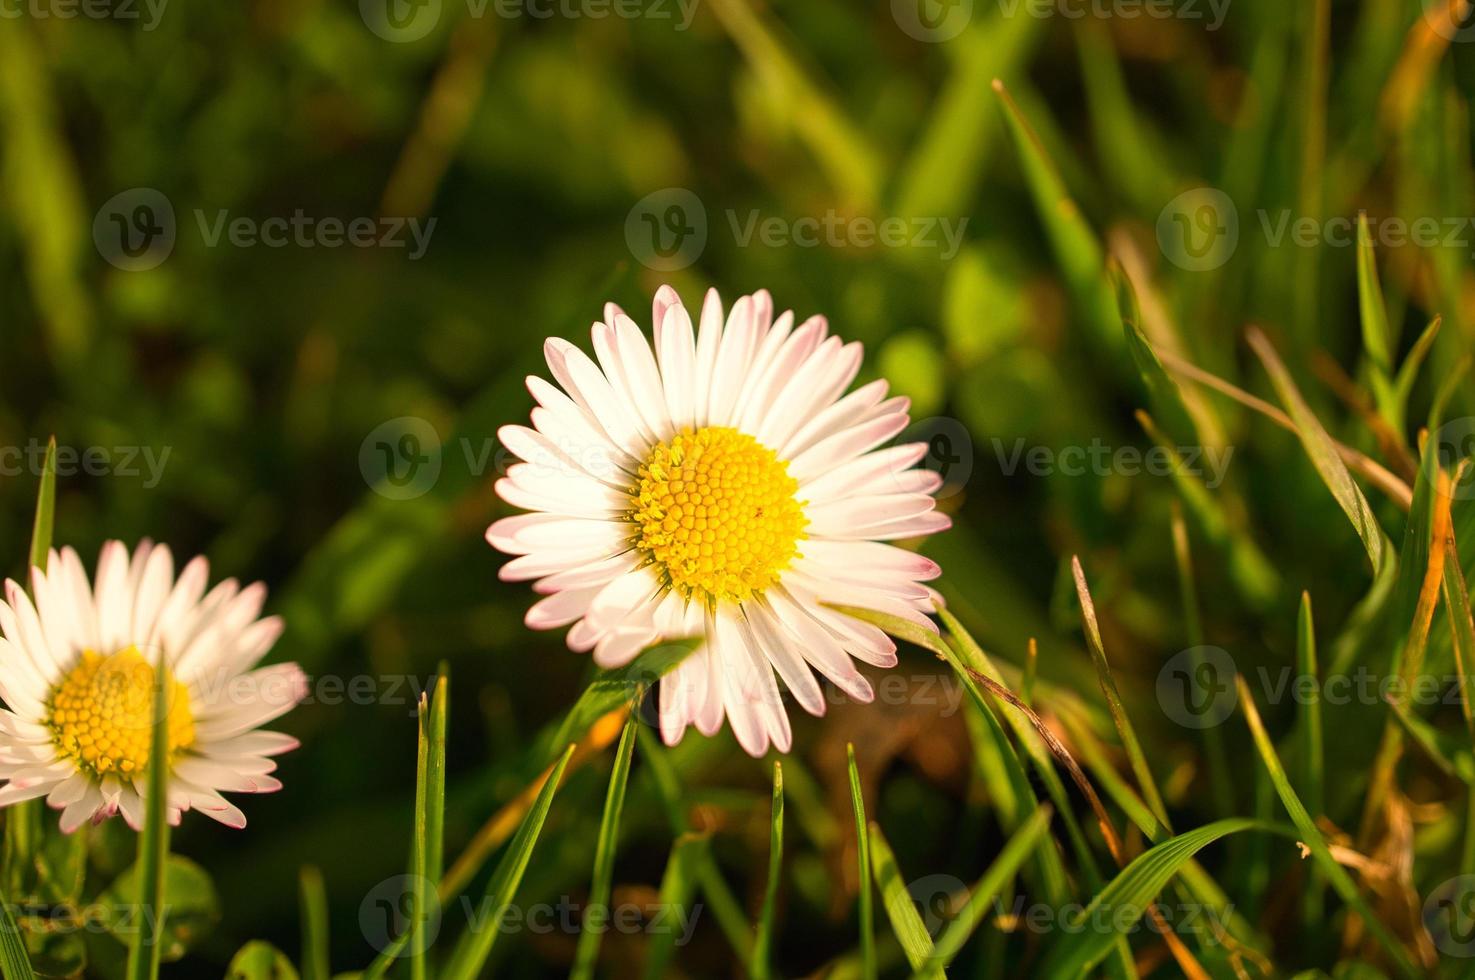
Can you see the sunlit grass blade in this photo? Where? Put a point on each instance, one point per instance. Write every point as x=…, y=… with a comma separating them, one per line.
x=678, y=886
x=472, y=953
x=1131, y=894
x=916, y=942
x=314, y=900
x=611, y=689
x=1323, y=453
x=1145, y=780
x=146, y=951
x=763, y=941
x=596, y=918
x=430, y=814
x=1309, y=835
x=866, y=906
x=1003, y=869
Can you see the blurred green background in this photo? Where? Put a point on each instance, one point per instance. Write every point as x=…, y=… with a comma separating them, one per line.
x=546, y=150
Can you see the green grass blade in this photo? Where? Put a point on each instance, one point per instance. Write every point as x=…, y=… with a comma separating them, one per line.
x=314, y=897
x=471, y=956
x=863, y=862
x=1323, y=453
x=1312, y=838
x=1003, y=869
x=678, y=885
x=1313, y=757
x=1145, y=781
x=147, y=949
x=1218, y=760
x=1377, y=338
x=14, y=962
x=945, y=165
x=596, y=918
x=430, y=813
x=763, y=943
x=45, y=520
x=1131, y=893
x=612, y=688
x=853, y=165
x=725, y=907
x=910, y=930
x=1076, y=246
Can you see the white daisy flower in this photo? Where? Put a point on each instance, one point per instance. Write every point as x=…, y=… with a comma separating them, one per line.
x=77, y=672
x=723, y=487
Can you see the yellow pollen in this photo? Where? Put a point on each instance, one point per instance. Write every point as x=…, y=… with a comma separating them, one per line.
x=715, y=511
x=100, y=714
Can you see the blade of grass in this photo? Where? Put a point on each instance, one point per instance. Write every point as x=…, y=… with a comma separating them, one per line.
x=863, y=861
x=910, y=930
x=1323, y=453
x=763, y=941
x=1377, y=336
x=1077, y=249
x=1313, y=762
x=1223, y=791
x=314, y=898
x=1145, y=781
x=852, y=163
x=430, y=814
x=1374, y=472
x=471, y=955
x=678, y=885
x=146, y=951
x=14, y=962
x=595, y=920
x=725, y=907
x=1003, y=869
x=1131, y=893
x=1253, y=573
x=1309, y=835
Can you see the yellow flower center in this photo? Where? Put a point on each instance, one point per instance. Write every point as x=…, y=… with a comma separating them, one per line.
x=102, y=711
x=715, y=510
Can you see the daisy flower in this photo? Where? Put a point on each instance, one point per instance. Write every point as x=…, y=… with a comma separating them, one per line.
x=77, y=674
x=723, y=487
